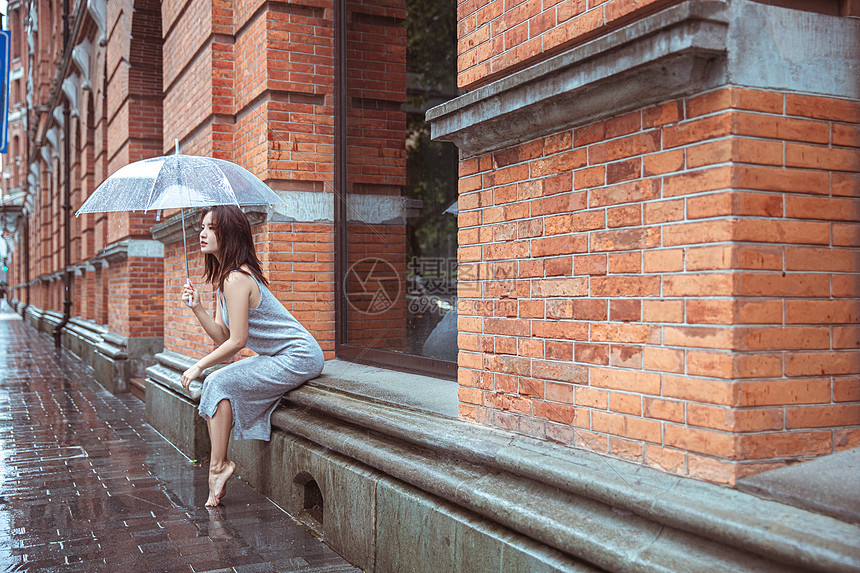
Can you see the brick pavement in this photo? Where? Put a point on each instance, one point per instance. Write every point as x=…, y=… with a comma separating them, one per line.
x=87, y=485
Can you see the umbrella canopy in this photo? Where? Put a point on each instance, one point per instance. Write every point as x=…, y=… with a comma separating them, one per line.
x=178, y=181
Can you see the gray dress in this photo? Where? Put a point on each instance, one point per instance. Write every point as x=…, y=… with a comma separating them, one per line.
x=287, y=357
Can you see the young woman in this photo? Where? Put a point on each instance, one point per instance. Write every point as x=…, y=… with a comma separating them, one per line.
x=243, y=395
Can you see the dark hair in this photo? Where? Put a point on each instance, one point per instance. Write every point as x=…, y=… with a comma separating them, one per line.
x=235, y=245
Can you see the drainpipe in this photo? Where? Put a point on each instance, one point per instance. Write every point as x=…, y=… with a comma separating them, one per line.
x=26, y=258
x=67, y=196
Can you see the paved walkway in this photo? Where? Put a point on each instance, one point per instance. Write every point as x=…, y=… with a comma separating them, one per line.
x=87, y=485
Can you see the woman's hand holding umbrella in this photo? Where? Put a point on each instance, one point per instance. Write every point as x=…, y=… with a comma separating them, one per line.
x=190, y=296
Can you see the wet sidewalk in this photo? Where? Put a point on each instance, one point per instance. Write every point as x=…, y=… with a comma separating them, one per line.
x=87, y=485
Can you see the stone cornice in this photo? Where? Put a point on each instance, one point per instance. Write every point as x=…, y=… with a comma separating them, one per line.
x=169, y=231
x=678, y=51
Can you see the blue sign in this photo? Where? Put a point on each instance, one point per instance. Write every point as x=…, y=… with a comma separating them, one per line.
x=5, y=45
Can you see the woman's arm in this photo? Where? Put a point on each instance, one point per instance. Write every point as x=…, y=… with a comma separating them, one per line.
x=216, y=329
x=237, y=293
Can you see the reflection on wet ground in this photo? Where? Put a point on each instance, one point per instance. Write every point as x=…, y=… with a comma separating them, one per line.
x=87, y=485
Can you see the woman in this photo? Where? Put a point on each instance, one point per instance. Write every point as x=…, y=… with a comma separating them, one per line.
x=244, y=394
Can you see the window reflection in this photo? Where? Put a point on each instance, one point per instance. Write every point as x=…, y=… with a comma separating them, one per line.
x=401, y=214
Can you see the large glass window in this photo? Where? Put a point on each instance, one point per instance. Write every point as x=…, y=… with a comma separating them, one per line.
x=399, y=215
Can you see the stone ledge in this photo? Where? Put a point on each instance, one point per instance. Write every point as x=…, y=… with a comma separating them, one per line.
x=573, y=501
x=485, y=470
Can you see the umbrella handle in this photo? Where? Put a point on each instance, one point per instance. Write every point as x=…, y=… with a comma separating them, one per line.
x=190, y=296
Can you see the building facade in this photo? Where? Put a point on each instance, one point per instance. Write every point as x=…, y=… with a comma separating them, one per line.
x=611, y=230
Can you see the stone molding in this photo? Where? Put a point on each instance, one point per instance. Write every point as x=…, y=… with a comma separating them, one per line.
x=617, y=515
x=676, y=52
x=685, y=49
x=169, y=231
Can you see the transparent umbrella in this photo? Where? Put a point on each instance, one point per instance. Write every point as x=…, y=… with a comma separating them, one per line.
x=178, y=182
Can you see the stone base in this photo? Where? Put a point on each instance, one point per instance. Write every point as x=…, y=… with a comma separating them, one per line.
x=114, y=358
x=176, y=418
x=364, y=514
x=394, y=488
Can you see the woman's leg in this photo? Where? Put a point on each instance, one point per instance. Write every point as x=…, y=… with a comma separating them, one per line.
x=220, y=468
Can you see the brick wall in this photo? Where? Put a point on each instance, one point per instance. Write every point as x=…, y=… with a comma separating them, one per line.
x=254, y=85
x=497, y=37
x=676, y=286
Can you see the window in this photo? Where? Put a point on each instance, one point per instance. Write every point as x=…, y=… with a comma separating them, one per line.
x=397, y=221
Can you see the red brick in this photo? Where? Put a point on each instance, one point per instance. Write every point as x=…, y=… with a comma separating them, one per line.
x=625, y=240
x=846, y=389
x=822, y=208
x=845, y=135
x=783, y=338
x=634, y=192
x=710, y=179
x=758, y=100
x=845, y=184
x=732, y=420
x=697, y=130
x=822, y=363
x=790, y=285
x=662, y=114
x=846, y=337
x=626, y=380
x=710, y=102
x=621, y=148
x=710, y=153
x=666, y=459
x=663, y=311
x=700, y=232
x=823, y=416
x=767, y=365
x=822, y=312
x=560, y=330
x=711, y=364
x=623, y=356
x=590, y=309
x=710, y=442
x=590, y=177
x=712, y=284
x=597, y=354
x=704, y=390
x=781, y=128
x=558, y=350
x=822, y=108
x=783, y=392
x=669, y=410
x=625, y=310
x=559, y=309
x=560, y=413
x=780, y=179
x=625, y=263
x=589, y=265
x=664, y=211
x=662, y=163
x=663, y=261
x=787, y=444
x=589, y=220
x=821, y=157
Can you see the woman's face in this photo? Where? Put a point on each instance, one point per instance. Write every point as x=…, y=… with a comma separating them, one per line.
x=208, y=239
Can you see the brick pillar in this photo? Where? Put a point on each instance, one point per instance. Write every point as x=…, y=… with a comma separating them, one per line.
x=670, y=279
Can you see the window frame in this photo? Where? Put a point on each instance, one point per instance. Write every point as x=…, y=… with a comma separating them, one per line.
x=400, y=361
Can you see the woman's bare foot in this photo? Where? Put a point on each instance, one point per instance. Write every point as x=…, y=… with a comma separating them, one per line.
x=218, y=477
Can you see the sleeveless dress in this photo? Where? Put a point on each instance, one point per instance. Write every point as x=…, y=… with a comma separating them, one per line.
x=287, y=357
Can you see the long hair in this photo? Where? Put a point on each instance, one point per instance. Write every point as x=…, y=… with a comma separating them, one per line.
x=235, y=245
